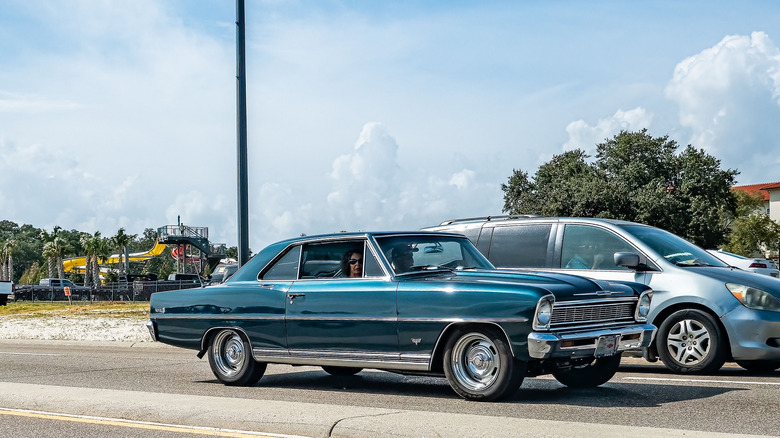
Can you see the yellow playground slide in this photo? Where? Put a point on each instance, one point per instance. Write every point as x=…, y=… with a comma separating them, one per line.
x=77, y=264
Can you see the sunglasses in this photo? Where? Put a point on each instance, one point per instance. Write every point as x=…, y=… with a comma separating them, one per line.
x=353, y=261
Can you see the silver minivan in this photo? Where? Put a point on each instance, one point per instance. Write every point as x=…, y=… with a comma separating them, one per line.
x=706, y=312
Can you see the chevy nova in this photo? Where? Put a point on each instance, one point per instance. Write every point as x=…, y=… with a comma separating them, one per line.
x=412, y=302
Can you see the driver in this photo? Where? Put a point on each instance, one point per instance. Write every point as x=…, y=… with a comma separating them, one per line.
x=402, y=259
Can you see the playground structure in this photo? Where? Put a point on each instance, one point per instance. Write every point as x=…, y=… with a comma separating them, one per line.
x=78, y=264
x=184, y=237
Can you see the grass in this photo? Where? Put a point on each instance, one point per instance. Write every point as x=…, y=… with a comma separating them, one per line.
x=38, y=309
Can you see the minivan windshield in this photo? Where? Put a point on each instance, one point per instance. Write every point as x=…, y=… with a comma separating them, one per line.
x=673, y=248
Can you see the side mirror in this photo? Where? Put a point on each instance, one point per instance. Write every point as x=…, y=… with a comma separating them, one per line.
x=627, y=260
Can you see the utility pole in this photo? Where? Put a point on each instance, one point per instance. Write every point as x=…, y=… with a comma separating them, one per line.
x=243, y=189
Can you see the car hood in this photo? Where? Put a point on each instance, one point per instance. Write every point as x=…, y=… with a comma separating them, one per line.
x=738, y=276
x=564, y=287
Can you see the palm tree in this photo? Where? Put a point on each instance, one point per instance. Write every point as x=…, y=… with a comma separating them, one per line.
x=89, y=252
x=121, y=240
x=50, y=254
x=8, y=249
x=60, y=247
x=102, y=251
x=53, y=251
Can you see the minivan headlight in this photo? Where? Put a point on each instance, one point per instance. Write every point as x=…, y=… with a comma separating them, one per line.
x=643, y=306
x=753, y=298
x=543, y=313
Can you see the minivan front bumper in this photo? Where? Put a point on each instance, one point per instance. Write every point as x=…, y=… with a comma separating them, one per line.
x=753, y=334
x=543, y=345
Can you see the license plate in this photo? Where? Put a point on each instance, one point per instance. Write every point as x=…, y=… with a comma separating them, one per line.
x=607, y=345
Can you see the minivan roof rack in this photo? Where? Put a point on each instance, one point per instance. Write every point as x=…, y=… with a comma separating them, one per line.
x=489, y=218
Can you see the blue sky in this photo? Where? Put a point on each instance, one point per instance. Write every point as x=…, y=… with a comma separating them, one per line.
x=362, y=115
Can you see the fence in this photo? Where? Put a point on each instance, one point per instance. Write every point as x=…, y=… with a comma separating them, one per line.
x=122, y=291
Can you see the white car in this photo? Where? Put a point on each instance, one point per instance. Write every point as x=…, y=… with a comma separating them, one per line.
x=757, y=265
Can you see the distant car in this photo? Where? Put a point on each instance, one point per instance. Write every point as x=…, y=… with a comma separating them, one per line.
x=222, y=272
x=412, y=303
x=757, y=265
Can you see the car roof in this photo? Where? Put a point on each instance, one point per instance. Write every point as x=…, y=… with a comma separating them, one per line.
x=363, y=234
x=532, y=218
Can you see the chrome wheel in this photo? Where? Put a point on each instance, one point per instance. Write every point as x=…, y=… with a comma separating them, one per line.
x=688, y=342
x=475, y=361
x=228, y=353
x=479, y=364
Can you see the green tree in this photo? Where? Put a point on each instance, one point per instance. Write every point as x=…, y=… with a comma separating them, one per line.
x=752, y=231
x=634, y=177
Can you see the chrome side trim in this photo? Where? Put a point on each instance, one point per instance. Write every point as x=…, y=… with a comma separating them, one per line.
x=518, y=319
x=220, y=316
x=227, y=317
x=392, y=361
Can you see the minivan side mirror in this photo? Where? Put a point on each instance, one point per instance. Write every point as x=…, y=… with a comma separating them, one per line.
x=627, y=260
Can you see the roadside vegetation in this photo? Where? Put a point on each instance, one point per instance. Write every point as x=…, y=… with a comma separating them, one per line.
x=108, y=309
x=651, y=180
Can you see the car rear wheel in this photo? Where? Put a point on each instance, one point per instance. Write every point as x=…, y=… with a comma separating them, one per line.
x=230, y=357
x=690, y=341
x=588, y=374
x=759, y=366
x=341, y=371
x=479, y=364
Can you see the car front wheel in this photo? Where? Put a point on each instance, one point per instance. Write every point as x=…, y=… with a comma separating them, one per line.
x=690, y=341
x=588, y=375
x=479, y=365
x=230, y=357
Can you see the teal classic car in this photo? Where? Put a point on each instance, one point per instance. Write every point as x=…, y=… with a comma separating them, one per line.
x=409, y=302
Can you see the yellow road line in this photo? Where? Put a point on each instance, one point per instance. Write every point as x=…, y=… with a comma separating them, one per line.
x=212, y=431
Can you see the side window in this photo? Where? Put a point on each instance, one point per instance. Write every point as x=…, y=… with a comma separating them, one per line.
x=286, y=268
x=587, y=247
x=345, y=259
x=372, y=266
x=520, y=246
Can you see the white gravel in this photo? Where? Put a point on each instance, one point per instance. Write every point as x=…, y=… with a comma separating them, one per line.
x=75, y=328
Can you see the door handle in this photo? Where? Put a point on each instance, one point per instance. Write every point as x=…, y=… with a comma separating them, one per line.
x=292, y=297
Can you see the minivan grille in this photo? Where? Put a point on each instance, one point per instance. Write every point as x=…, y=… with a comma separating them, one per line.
x=582, y=314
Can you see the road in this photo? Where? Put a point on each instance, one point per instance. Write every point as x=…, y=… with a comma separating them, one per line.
x=116, y=389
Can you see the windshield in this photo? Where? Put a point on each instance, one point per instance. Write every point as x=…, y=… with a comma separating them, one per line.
x=424, y=252
x=673, y=248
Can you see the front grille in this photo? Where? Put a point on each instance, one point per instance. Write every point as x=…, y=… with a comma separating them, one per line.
x=592, y=313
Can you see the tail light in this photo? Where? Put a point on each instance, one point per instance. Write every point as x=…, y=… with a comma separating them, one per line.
x=758, y=265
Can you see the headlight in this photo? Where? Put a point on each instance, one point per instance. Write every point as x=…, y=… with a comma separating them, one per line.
x=543, y=313
x=753, y=298
x=643, y=306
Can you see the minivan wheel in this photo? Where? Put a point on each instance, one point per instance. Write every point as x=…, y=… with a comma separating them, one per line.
x=690, y=341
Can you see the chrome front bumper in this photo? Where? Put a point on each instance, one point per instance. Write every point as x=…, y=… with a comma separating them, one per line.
x=152, y=330
x=584, y=344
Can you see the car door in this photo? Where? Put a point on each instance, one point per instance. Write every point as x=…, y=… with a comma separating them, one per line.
x=588, y=250
x=341, y=317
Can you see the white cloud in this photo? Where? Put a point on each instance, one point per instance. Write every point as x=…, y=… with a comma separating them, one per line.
x=586, y=137
x=729, y=100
